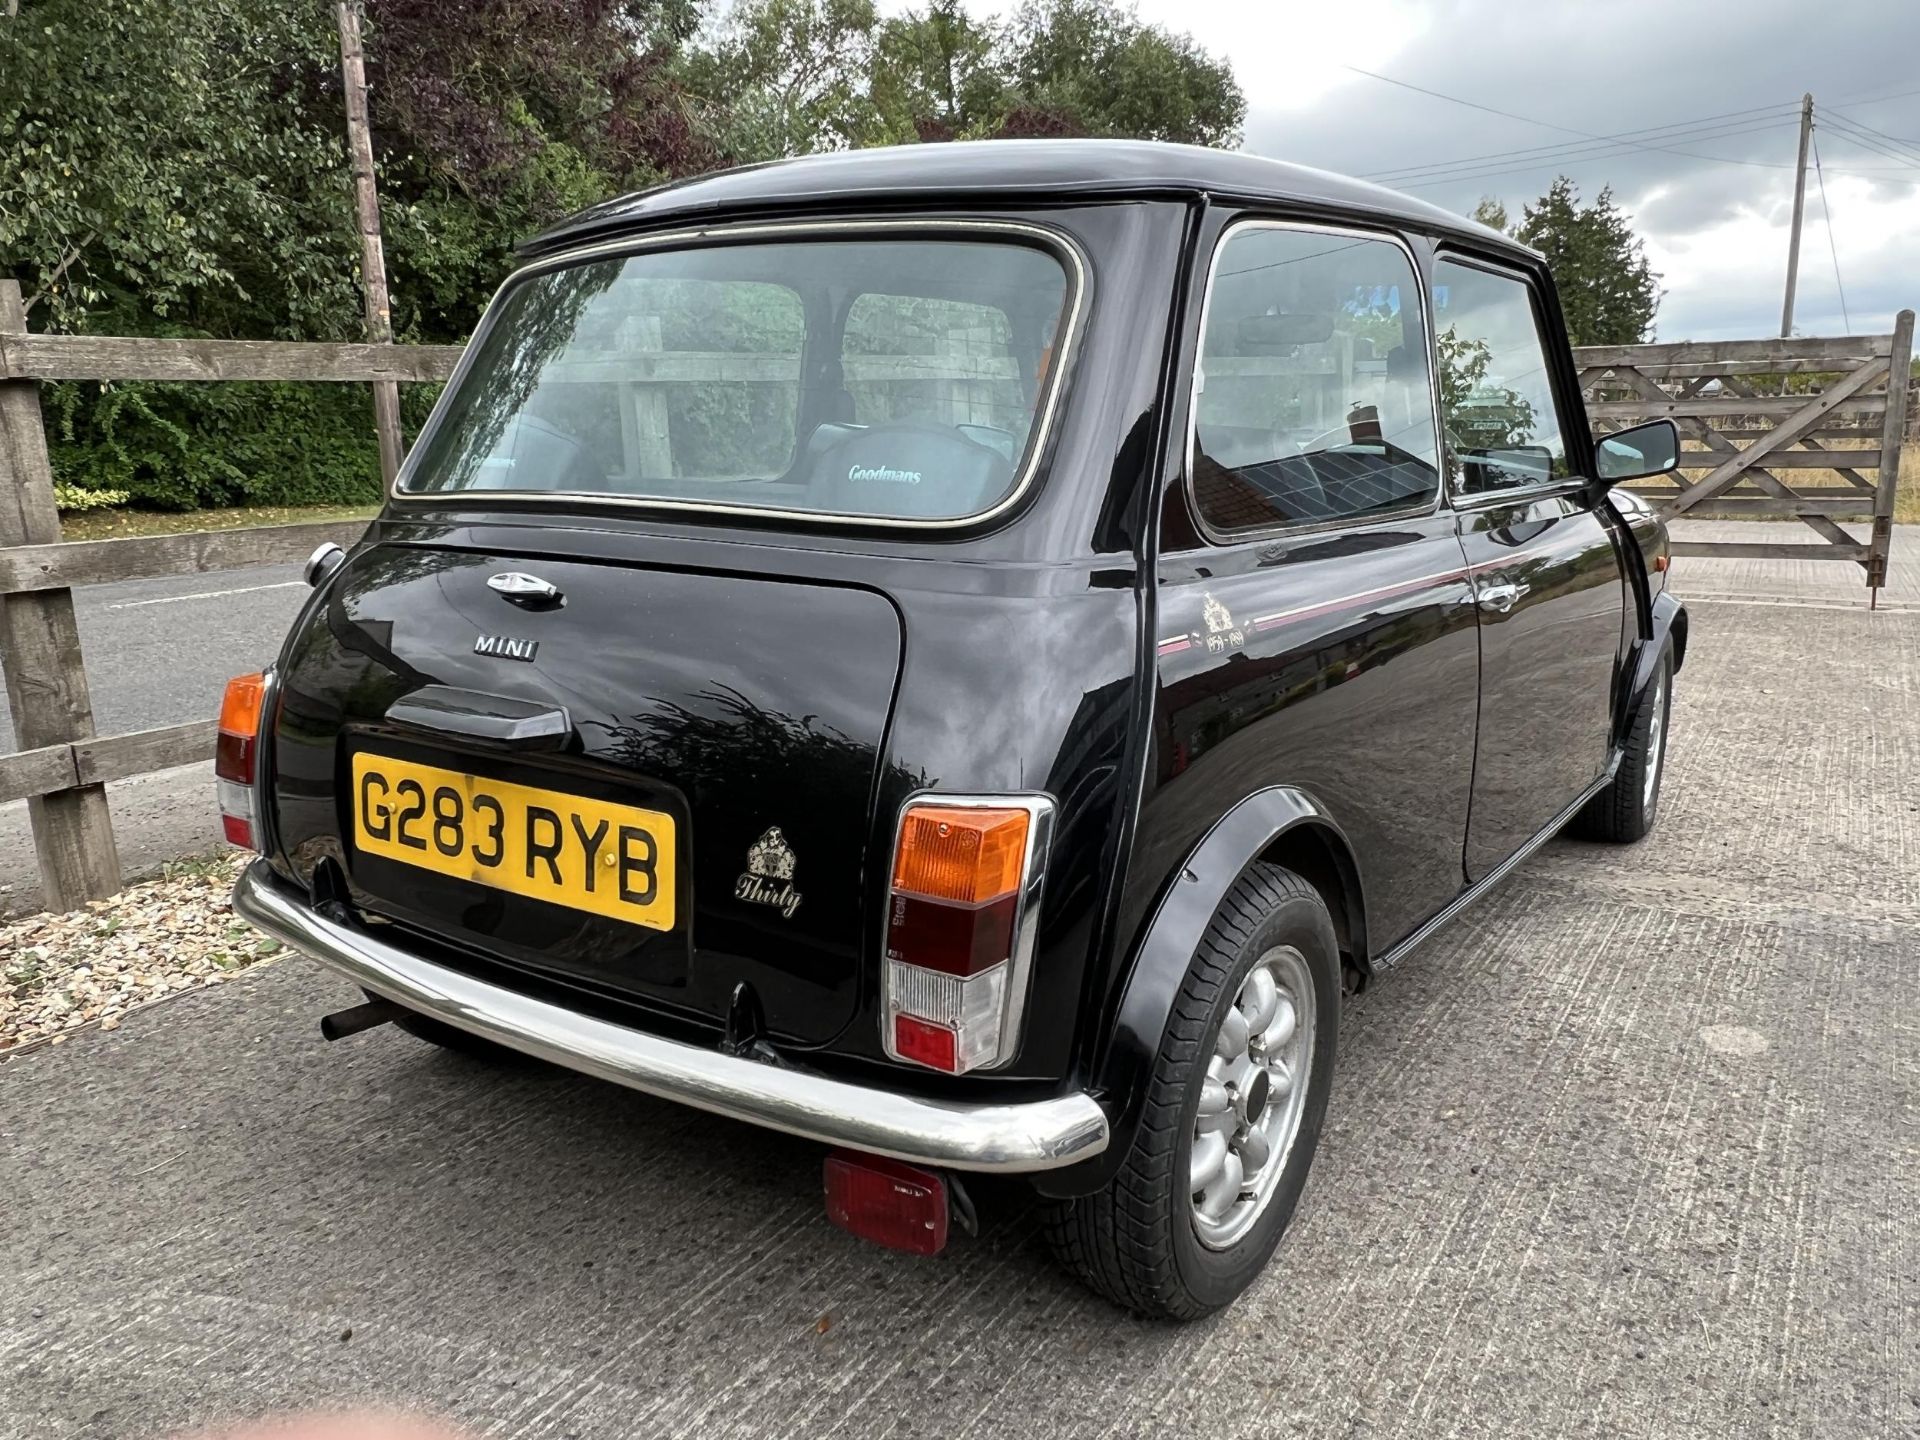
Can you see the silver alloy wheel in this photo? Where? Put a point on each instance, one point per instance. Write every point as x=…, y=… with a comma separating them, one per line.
x=1252, y=1098
x=1656, y=743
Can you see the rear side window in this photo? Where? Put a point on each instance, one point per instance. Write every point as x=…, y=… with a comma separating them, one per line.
x=1313, y=399
x=886, y=378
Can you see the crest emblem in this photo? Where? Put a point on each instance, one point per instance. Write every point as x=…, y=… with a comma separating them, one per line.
x=770, y=856
x=769, y=876
x=1222, y=633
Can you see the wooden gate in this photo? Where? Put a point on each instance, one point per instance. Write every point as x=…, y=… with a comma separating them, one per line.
x=1770, y=429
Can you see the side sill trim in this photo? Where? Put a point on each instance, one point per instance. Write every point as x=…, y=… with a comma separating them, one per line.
x=1015, y=1138
x=1499, y=872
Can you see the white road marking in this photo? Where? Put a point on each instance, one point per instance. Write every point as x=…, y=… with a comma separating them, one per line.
x=204, y=595
x=1792, y=602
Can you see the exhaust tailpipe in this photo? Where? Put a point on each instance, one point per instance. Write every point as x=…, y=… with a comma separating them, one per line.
x=343, y=1023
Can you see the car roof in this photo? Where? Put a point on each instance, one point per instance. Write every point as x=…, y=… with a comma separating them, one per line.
x=1016, y=170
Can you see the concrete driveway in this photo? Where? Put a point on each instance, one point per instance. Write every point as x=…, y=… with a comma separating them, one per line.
x=1633, y=1148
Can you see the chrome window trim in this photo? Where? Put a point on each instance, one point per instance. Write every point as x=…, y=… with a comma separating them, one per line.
x=1026, y=916
x=1473, y=501
x=1195, y=384
x=1066, y=344
x=1463, y=499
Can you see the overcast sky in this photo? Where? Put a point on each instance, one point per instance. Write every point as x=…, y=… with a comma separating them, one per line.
x=1731, y=74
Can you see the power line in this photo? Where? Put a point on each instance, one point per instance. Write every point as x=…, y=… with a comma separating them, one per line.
x=1729, y=116
x=1551, y=164
x=1877, y=99
x=1840, y=132
x=1862, y=125
x=1577, y=151
x=1550, y=125
x=1909, y=149
x=1826, y=212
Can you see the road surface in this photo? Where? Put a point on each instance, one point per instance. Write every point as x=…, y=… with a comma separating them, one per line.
x=1631, y=1148
x=158, y=653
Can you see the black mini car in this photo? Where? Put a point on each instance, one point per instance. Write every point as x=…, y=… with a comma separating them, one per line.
x=967, y=653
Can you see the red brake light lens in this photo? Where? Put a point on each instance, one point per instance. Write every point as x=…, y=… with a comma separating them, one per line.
x=932, y=1045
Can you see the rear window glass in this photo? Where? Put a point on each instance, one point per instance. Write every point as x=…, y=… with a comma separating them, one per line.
x=894, y=379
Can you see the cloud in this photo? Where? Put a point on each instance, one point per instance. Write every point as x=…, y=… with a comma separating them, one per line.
x=1712, y=203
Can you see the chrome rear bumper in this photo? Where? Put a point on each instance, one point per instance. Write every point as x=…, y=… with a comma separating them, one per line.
x=1034, y=1135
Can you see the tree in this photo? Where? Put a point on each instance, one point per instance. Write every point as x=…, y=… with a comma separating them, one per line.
x=1608, y=289
x=1491, y=213
x=1094, y=62
x=788, y=77
x=494, y=118
x=937, y=76
x=147, y=156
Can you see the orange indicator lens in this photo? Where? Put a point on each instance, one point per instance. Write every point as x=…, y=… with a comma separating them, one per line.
x=967, y=854
x=240, y=706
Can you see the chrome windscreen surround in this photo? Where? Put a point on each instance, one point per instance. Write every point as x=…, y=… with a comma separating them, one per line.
x=1057, y=243
x=1014, y=1138
x=1026, y=922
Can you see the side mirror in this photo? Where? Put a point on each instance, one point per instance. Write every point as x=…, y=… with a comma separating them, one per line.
x=1649, y=449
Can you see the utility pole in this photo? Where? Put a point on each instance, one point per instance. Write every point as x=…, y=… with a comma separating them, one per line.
x=1799, y=208
x=373, y=264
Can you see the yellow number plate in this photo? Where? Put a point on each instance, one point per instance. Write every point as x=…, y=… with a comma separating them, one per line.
x=613, y=860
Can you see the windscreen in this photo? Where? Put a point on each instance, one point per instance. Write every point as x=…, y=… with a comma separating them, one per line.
x=893, y=378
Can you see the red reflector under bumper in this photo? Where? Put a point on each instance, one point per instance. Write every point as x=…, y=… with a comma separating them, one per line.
x=887, y=1201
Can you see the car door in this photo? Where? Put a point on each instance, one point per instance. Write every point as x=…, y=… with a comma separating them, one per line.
x=1548, y=577
x=1315, y=623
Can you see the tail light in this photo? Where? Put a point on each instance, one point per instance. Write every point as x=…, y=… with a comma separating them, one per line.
x=235, y=752
x=961, y=914
x=887, y=1201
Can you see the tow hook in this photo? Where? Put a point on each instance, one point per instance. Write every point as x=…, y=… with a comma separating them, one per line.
x=343, y=1023
x=746, y=1034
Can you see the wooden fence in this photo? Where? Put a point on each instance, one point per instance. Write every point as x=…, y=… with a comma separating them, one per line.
x=62, y=766
x=1740, y=406
x=1831, y=411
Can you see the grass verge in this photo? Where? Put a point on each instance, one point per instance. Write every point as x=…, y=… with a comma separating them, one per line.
x=119, y=524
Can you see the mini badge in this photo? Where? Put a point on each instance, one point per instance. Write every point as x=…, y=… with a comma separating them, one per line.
x=769, y=877
x=506, y=647
x=1222, y=633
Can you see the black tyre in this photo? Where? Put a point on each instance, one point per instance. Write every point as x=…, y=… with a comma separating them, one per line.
x=450, y=1037
x=1626, y=809
x=1233, y=1112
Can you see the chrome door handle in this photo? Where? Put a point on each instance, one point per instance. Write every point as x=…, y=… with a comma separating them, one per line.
x=1499, y=598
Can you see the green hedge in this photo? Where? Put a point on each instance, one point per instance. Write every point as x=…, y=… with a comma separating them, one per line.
x=170, y=446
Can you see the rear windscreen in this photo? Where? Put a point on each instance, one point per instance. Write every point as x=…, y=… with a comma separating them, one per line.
x=880, y=377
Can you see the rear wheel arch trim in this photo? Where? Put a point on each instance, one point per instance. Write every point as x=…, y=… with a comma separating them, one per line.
x=1253, y=830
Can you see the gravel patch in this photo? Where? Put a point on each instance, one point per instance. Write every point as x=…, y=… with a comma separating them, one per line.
x=94, y=965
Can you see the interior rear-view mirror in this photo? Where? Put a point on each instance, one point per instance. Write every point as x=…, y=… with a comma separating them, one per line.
x=1649, y=449
x=1266, y=334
